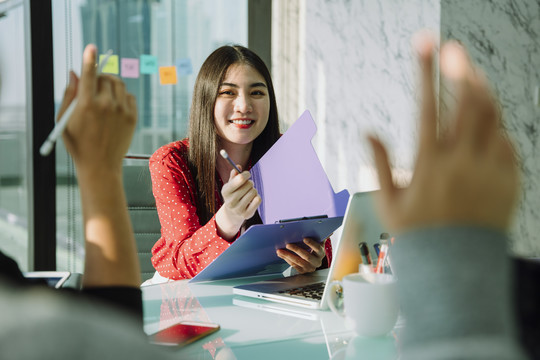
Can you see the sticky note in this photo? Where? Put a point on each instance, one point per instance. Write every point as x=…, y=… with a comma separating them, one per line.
x=167, y=75
x=111, y=66
x=129, y=67
x=184, y=66
x=148, y=64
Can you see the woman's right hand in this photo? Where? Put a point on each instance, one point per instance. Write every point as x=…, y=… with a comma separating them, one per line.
x=240, y=201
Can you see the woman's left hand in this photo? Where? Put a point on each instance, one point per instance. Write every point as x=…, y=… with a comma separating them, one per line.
x=302, y=260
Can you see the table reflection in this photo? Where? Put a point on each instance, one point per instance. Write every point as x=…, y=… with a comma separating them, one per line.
x=174, y=302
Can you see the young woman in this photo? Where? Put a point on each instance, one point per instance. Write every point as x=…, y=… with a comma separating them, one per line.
x=203, y=203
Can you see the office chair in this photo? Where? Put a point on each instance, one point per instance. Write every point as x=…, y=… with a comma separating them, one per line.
x=142, y=210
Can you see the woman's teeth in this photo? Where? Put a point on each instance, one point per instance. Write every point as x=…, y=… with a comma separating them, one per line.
x=242, y=122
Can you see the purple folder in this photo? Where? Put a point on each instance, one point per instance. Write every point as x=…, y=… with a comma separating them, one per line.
x=293, y=185
x=291, y=180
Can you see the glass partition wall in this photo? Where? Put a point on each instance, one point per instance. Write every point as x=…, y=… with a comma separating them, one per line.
x=13, y=134
x=158, y=47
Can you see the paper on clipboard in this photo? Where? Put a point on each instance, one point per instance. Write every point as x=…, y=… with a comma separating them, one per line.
x=292, y=184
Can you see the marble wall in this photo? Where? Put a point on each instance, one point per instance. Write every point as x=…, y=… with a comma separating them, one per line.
x=352, y=66
x=503, y=37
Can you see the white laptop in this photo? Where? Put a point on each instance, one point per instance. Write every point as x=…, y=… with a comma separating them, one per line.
x=360, y=224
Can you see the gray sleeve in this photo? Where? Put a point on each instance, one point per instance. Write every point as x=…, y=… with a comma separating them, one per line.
x=455, y=292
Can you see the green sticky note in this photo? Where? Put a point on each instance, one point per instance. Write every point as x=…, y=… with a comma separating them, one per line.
x=148, y=64
x=111, y=67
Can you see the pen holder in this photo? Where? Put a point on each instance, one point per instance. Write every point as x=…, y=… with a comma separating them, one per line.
x=365, y=269
x=370, y=302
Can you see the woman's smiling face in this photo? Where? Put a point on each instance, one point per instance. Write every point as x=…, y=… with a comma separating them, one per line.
x=242, y=106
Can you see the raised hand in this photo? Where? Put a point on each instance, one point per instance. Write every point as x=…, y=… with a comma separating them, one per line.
x=100, y=129
x=465, y=175
x=97, y=136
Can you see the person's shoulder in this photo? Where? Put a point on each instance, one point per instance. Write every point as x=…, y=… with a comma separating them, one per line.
x=171, y=159
x=173, y=151
x=9, y=269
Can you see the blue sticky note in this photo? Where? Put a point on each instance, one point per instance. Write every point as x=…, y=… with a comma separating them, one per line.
x=148, y=64
x=184, y=66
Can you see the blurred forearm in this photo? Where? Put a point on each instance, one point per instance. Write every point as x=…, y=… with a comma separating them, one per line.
x=111, y=254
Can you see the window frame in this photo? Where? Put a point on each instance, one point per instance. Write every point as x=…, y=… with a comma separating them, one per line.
x=40, y=109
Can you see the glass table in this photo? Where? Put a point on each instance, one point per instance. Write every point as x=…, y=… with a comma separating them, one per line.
x=257, y=329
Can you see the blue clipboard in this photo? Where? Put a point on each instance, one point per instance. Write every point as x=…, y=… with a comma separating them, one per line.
x=254, y=253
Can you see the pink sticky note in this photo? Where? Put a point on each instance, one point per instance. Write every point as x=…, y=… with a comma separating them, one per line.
x=130, y=68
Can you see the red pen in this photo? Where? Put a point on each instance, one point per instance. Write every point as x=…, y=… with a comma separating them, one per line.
x=383, y=253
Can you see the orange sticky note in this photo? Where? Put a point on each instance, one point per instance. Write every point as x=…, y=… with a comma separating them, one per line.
x=167, y=75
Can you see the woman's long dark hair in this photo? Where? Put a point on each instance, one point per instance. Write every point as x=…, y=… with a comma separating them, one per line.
x=203, y=138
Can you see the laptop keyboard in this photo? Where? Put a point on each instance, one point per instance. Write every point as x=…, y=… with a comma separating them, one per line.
x=313, y=291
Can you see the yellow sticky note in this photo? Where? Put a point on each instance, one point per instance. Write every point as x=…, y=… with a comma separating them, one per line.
x=111, y=67
x=167, y=75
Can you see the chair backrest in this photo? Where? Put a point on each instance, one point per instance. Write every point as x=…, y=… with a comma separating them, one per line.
x=143, y=213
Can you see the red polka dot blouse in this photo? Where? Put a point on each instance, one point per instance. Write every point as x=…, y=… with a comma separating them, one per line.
x=186, y=246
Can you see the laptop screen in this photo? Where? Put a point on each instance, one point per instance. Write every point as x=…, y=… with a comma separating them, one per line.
x=361, y=224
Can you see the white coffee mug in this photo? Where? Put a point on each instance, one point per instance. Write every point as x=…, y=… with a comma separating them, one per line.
x=370, y=302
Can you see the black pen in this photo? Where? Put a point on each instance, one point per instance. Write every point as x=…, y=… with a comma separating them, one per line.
x=364, y=250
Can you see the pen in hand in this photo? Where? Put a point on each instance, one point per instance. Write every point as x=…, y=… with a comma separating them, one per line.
x=59, y=127
x=223, y=153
